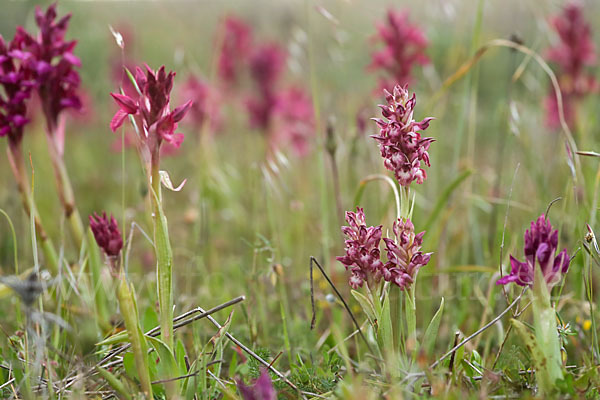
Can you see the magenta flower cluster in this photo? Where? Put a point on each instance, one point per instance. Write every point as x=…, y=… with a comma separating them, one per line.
x=404, y=254
x=107, y=234
x=363, y=257
x=51, y=57
x=17, y=83
x=261, y=390
x=573, y=53
x=284, y=114
x=44, y=62
x=403, y=149
x=404, y=47
x=540, y=247
x=151, y=109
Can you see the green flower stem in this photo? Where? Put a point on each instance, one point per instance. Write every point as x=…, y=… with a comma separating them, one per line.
x=544, y=322
x=405, y=210
x=67, y=199
x=15, y=158
x=410, y=310
x=65, y=191
x=400, y=203
x=139, y=347
x=164, y=259
x=95, y=262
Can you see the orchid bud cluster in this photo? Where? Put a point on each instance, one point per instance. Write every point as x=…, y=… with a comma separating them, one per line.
x=108, y=237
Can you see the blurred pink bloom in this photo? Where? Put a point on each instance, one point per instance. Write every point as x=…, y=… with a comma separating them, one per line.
x=206, y=105
x=267, y=63
x=541, y=243
x=151, y=109
x=53, y=63
x=576, y=48
x=294, y=122
x=362, y=256
x=402, y=147
x=404, y=255
x=261, y=390
x=404, y=47
x=235, y=48
x=573, y=53
x=362, y=116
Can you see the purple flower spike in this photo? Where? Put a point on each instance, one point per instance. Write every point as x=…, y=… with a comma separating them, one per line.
x=404, y=255
x=400, y=142
x=17, y=82
x=261, y=390
x=404, y=47
x=107, y=234
x=362, y=249
x=51, y=60
x=151, y=109
x=540, y=245
x=573, y=53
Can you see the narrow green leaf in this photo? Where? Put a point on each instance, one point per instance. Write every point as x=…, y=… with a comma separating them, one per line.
x=385, y=332
x=114, y=383
x=132, y=80
x=180, y=354
x=167, y=365
x=164, y=257
x=366, y=305
x=114, y=339
x=129, y=365
x=431, y=333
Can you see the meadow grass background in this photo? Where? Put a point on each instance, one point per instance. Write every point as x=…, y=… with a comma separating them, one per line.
x=238, y=230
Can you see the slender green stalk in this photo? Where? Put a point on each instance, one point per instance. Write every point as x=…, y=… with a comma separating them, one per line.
x=65, y=191
x=95, y=263
x=128, y=306
x=164, y=259
x=410, y=310
x=67, y=199
x=15, y=158
x=544, y=321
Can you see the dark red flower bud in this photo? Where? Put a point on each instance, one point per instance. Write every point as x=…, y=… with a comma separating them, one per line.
x=107, y=234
